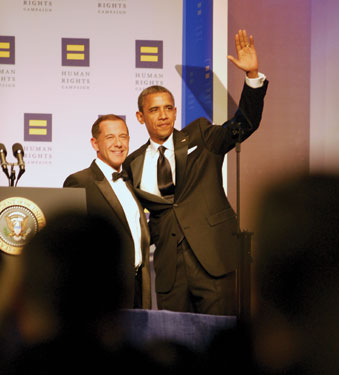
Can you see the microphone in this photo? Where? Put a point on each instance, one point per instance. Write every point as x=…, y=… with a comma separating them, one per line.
x=18, y=152
x=3, y=154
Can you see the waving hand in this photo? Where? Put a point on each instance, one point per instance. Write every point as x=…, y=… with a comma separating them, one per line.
x=246, y=54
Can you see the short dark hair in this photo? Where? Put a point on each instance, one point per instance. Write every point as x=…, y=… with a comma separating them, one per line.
x=58, y=260
x=151, y=90
x=297, y=257
x=100, y=119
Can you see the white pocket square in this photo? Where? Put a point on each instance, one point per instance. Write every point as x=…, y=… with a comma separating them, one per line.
x=191, y=149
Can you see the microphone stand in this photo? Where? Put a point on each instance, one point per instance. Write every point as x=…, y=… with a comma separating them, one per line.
x=18, y=153
x=12, y=175
x=243, y=275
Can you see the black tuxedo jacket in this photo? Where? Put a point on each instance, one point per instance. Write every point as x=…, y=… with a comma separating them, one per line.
x=200, y=210
x=101, y=200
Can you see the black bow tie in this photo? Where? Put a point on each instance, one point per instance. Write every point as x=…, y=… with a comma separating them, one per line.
x=117, y=175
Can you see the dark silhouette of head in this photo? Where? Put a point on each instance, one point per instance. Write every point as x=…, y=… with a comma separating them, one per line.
x=297, y=275
x=72, y=272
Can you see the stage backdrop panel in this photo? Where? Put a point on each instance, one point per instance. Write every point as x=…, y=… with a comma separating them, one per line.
x=63, y=63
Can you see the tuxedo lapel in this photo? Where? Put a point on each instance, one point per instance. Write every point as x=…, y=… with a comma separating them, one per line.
x=137, y=166
x=108, y=193
x=181, y=142
x=112, y=199
x=180, y=149
x=145, y=236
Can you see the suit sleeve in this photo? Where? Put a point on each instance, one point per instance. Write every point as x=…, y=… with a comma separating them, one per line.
x=221, y=139
x=72, y=181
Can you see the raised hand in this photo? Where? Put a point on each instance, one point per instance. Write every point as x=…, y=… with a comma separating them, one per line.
x=246, y=54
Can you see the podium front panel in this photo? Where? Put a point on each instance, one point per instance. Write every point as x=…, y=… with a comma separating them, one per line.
x=25, y=210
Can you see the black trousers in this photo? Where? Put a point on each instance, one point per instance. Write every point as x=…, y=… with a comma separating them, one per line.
x=138, y=289
x=194, y=290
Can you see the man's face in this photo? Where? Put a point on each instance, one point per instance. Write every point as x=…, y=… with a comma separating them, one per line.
x=112, y=143
x=159, y=114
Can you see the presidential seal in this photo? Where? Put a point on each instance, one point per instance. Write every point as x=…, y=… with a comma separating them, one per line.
x=20, y=220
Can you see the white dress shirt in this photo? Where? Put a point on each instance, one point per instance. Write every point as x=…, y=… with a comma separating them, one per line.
x=129, y=206
x=256, y=82
x=149, y=180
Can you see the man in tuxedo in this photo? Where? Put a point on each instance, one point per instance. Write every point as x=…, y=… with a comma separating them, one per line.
x=192, y=223
x=109, y=194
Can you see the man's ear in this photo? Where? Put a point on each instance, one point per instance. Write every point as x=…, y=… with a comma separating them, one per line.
x=94, y=144
x=140, y=117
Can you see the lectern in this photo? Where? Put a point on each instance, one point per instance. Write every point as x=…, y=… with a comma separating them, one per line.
x=25, y=210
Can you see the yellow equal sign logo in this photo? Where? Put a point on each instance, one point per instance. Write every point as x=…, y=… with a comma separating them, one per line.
x=5, y=50
x=37, y=127
x=75, y=52
x=149, y=54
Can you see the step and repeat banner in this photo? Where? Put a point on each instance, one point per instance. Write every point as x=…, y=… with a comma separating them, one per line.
x=65, y=62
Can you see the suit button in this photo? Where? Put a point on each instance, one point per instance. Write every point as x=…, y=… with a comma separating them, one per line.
x=175, y=205
x=173, y=234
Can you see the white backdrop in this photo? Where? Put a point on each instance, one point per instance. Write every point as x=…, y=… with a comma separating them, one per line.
x=60, y=102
